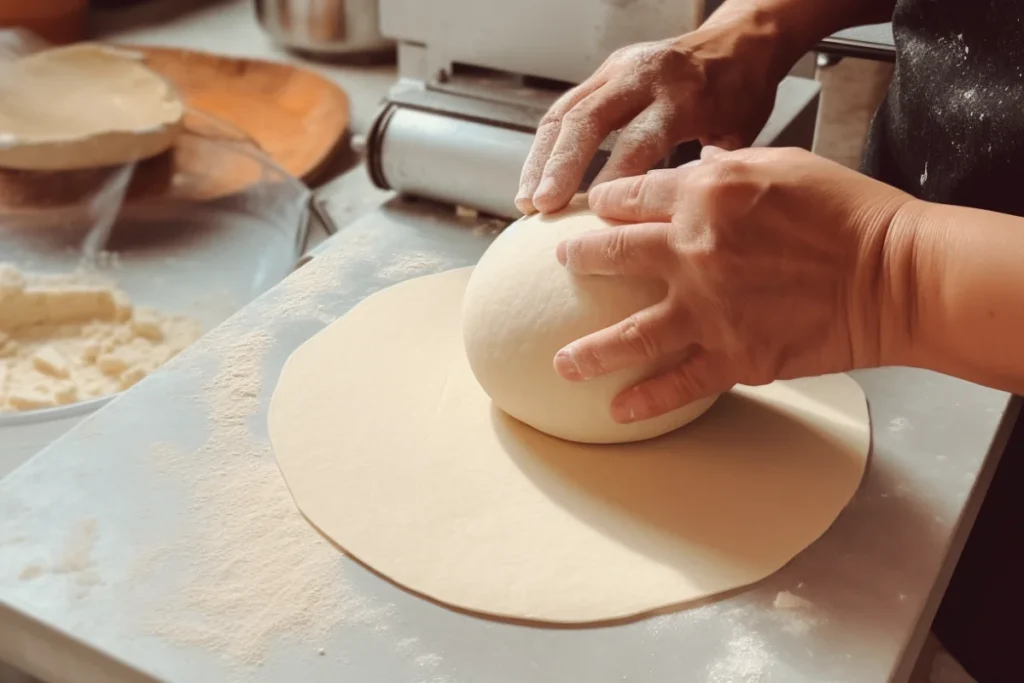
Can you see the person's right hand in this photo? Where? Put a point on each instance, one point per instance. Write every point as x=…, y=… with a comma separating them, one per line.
x=778, y=264
x=710, y=85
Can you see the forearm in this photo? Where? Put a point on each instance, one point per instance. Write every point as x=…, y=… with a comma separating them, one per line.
x=966, y=275
x=785, y=30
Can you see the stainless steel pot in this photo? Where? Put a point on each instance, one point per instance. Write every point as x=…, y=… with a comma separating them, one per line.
x=326, y=27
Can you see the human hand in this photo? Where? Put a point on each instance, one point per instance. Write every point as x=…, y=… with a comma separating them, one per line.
x=779, y=264
x=711, y=85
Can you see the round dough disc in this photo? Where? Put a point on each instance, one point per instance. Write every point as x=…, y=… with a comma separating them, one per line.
x=521, y=307
x=391, y=449
x=84, y=106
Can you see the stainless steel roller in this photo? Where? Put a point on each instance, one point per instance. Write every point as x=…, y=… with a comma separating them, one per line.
x=463, y=151
x=449, y=159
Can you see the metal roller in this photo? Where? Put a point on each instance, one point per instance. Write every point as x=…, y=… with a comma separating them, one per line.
x=448, y=158
x=463, y=151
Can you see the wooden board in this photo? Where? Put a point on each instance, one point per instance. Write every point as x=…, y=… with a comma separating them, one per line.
x=297, y=117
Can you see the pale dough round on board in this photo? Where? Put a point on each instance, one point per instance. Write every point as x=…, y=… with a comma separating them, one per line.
x=391, y=448
x=522, y=306
x=84, y=106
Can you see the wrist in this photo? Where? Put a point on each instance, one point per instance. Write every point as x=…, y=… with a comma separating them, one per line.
x=961, y=310
x=881, y=289
x=908, y=282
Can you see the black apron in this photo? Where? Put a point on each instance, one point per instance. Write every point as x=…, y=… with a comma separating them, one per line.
x=951, y=130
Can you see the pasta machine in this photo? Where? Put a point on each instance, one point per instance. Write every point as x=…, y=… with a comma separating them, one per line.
x=476, y=77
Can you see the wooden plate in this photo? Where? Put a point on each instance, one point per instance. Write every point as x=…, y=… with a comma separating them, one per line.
x=297, y=117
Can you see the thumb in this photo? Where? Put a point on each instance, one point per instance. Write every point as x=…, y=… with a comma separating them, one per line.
x=648, y=198
x=701, y=375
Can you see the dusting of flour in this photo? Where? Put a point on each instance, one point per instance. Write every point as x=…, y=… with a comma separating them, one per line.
x=412, y=265
x=75, y=560
x=746, y=656
x=258, y=573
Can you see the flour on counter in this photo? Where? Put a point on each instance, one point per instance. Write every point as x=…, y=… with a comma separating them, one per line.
x=301, y=290
x=257, y=574
x=430, y=661
x=407, y=646
x=77, y=553
x=788, y=601
x=31, y=571
x=747, y=660
x=75, y=560
x=63, y=341
x=795, y=613
x=410, y=265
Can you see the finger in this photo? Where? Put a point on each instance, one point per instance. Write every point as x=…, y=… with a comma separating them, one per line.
x=701, y=375
x=645, y=337
x=650, y=198
x=544, y=141
x=710, y=152
x=641, y=144
x=635, y=249
x=583, y=129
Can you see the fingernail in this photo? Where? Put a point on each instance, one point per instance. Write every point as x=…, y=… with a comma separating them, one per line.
x=566, y=366
x=546, y=188
x=596, y=194
x=629, y=407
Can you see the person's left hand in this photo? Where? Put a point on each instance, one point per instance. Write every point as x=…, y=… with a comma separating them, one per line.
x=779, y=264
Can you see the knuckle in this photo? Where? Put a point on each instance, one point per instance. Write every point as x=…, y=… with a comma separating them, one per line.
x=616, y=247
x=551, y=122
x=568, y=99
x=564, y=161
x=634, y=335
x=582, y=117
x=635, y=191
x=590, y=359
x=689, y=67
x=715, y=179
x=728, y=169
x=620, y=55
x=648, y=397
x=679, y=387
x=792, y=152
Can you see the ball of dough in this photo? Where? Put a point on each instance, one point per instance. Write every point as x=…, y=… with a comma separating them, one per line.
x=521, y=306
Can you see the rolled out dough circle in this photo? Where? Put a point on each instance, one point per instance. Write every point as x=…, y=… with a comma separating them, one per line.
x=392, y=450
x=84, y=106
x=521, y=306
